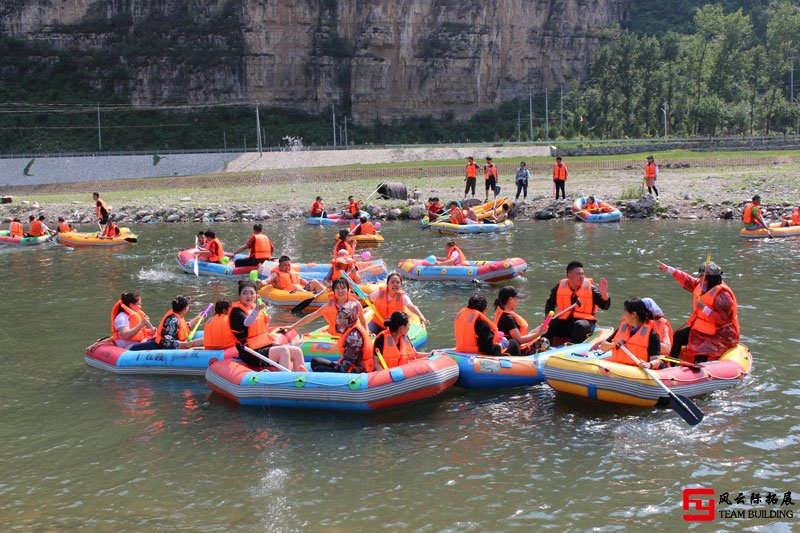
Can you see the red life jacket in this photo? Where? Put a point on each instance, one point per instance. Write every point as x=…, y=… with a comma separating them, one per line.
x=134, y=317
x=183, y=328
x=393, y=354
x=217, y=334
x=367, y=349
x=587, y=310
x=262, y=247
x=258, y=335
x=354, y=207
x=343, y=245
x=386, y=306
x=112, y=230
x=316, y=208
x=699, y=321
x=464, y=326
x=636, y=343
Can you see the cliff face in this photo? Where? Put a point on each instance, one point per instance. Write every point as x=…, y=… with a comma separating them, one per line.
x=381, y=59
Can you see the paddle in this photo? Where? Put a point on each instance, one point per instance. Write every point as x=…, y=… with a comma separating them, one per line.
x=197, y=325
x=299, y=308
x=426, y=225
x=134, y=240
x=265, y=359
x=362, y=296
x=381, y=359
x=195, y=267
x=682, y=405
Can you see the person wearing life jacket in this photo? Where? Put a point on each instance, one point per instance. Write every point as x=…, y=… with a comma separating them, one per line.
x=100, y=208
x=15, y=228
x=282, y=277
x=249, y=323
x=713, y=327
x=452, y=255
x=110, y=231
x=318, y=208
x=217, y=334
x=213, y=251
x=456, y=214
x=472, y=176
x=64, y=226
x=513, y=325
x=752, y=217
x=435, y=208
x=261, y=248
x=390, y=299
x=343, y=263
x=650, y=175
x=173, y=331
x=38, y=228
x=355, y=344
x=635, y=332
x=344, y=241
x=364, y=227
x=560, y=175
x=491, y=177
x=202, y=240
x=576, y=288
x=340, y=295
x=660, y=325
x=130, y=325
x=353, y=208
x=393, y=343
x=793, y=220
x=475, y=333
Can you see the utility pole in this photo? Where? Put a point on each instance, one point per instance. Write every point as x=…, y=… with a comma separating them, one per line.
x=664, y=110
x=258, y=131
x=346, y=142
x=244, y=136
x=224, y=140
x=546, y=117
x=530, y=112
x=99, y=134
x=561, y=110
x=791, y=77
x=333, y=118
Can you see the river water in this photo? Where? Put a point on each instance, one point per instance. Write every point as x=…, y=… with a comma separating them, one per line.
x=81, y=447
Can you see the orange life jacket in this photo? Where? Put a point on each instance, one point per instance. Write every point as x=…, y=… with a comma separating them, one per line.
x=343, y=245
x=386, y=306
x=393, y=354
x=336, y=271
x=329, y=311
x=521, y=322
x=747, y=215
x=316, y=208
x=64, y=227
x=112, y=230
x=457, y=216
x=590, y=206
x=464, y=326
x=664, y=329
x=216, y=250
x=15, y=230
x=183, y=328
x=462, y=259
x=560, y=172
x=354, y=207
x=637, y=343
x=796, y=217
x=134, y=317
x=472, y=170
x=366, y=228
x=650, y=171
x=217, y=334
x=490, y=171
x=367, y=350
x=257, y=335
x=699, y=321
x=587, y=310
x=262, y=247
x=286, y=281
x=99, y=206
x=36, y=229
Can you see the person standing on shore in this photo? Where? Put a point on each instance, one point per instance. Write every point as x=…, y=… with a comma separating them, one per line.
x=472, y=176
x=560, y=175
x=523, y=175
x=650, y=175
x=491, y=178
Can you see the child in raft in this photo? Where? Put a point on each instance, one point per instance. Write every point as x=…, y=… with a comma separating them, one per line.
x=636, y=334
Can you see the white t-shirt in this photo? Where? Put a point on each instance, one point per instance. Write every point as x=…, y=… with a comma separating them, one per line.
x=454, y=255
x=406, y=300
x=123, y=321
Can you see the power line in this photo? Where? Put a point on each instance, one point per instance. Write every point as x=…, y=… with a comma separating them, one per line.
x=173, y=125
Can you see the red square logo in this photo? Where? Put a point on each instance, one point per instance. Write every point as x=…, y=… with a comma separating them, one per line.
x=700, y=500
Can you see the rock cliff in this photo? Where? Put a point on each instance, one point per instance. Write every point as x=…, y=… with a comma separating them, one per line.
x=380, y=59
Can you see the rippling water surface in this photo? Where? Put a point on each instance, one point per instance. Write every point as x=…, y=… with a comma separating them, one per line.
x=85, y=448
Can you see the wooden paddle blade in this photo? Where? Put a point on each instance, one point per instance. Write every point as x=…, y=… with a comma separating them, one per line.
x=685, y=408
x=299, y=308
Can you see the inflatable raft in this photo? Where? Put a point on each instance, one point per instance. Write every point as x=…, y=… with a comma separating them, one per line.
x=446, y=228
x=369, y=271
x=491, y=271
x=367, y=241
x=483, y=211
x=334, y=219
x=488, y=372
x=319, y=343
x=186, y=259
x=775, y=228
x=419, y=379
x=106, y=355
x=80, y=240
x=609, y=213
x=594, y=377
x=288, y=300
x=6, y=238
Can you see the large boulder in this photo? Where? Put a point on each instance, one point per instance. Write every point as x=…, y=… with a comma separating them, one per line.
x=416, y=212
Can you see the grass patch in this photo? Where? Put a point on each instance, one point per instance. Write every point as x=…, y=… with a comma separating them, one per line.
x=633, y=192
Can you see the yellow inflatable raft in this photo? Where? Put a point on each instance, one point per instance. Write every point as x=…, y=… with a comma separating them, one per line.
x=78, y=240
x=288, y=300
x=367, y=241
